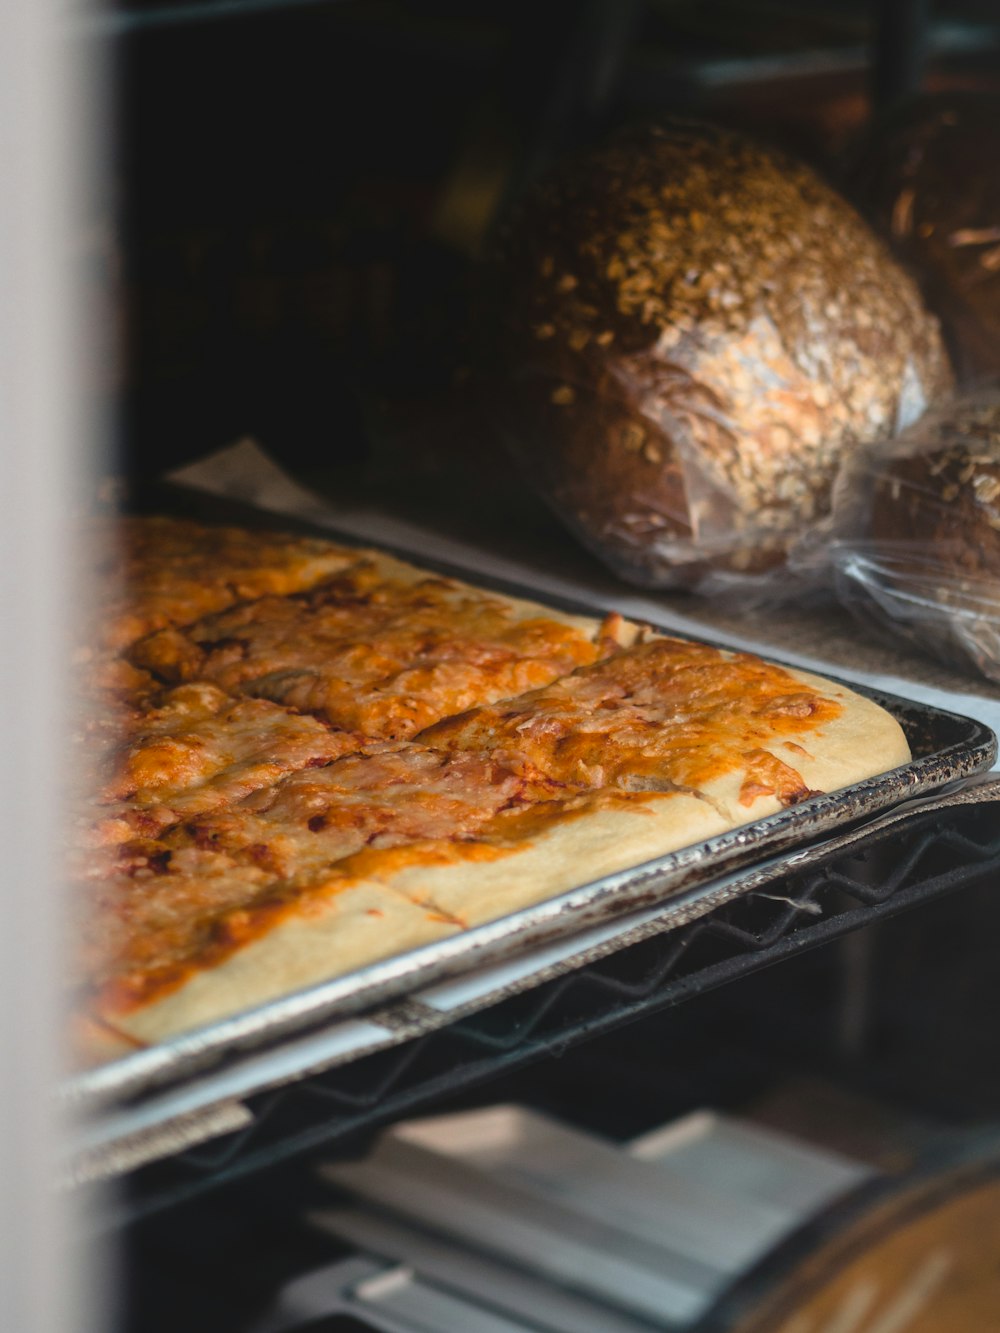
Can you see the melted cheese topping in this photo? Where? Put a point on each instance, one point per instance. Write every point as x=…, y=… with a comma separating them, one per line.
x=666, y=714
x=198, y=749
x=166, y=571
x=373, y=655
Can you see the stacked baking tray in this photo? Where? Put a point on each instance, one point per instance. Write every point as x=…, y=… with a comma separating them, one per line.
x=503, y=1221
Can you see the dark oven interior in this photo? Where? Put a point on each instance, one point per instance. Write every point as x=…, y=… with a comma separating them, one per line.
x=302, y=199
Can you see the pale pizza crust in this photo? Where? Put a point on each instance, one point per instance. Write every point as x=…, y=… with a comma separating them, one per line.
x=356, y=925
x=565, y=856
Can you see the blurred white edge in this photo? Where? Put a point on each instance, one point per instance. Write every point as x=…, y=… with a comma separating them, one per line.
x=53, y=145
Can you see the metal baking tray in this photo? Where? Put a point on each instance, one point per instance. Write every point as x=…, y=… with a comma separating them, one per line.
x=945, y=747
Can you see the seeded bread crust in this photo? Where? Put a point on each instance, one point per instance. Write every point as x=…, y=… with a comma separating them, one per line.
x=697, y=330
x=944, y=492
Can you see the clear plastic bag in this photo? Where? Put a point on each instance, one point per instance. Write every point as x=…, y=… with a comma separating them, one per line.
x=697, y=331
x=916, y=534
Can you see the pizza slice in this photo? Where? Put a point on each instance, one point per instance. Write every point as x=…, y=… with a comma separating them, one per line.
x=159, y=912
x=109, y=700
x=159, y=938
x=746, y=735
x=194, y=748
x=383, y=649
x=153, y=572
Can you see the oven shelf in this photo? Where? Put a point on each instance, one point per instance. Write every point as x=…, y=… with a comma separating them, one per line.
x=929, y=856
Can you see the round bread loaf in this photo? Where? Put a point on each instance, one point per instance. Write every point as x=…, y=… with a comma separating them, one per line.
x=929, y=182
x=696, y=330
x=937, y=490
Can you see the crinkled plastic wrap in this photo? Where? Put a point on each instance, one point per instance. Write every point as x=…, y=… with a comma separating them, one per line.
x=916, y=553
x=697, y=331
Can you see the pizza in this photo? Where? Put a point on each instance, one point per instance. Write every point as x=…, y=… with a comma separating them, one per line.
x=298, y=758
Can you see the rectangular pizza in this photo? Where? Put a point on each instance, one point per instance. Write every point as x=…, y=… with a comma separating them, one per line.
x=297, y=758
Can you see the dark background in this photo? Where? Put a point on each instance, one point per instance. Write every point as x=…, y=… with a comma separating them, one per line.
x=304, y=192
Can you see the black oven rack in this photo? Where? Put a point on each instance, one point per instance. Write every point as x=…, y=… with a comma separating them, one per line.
x=928, y=857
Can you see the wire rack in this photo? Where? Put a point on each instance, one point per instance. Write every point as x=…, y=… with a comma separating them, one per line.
x=931, y=856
